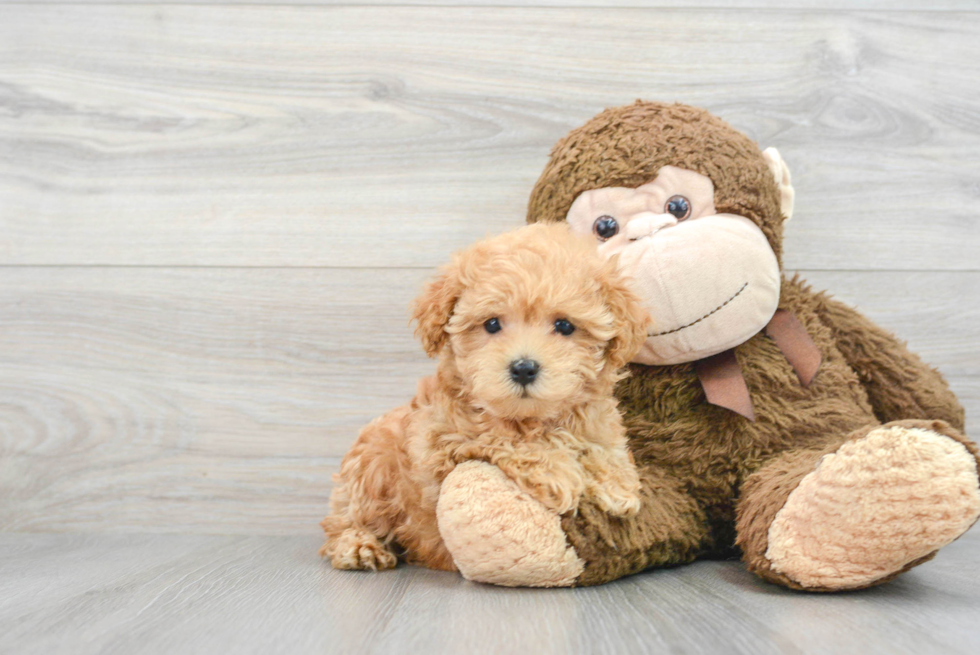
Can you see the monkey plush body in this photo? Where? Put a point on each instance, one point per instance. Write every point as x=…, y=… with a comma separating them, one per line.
x=764, y=418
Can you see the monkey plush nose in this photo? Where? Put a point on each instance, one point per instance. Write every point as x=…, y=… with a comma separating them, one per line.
x=523, y=371
x=647, y=224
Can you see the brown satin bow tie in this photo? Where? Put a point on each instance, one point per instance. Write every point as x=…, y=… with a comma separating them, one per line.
x=721, y=375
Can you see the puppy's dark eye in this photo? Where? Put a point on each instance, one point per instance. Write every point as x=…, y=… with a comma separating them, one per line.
x=564, y=326
x=492, y=325
x=678, y=207
x=605, y=227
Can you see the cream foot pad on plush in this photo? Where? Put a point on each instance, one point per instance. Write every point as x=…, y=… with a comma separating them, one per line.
x=500, y=535
x=877, y=504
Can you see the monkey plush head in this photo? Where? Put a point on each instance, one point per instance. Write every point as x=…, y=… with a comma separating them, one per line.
x=692, y=208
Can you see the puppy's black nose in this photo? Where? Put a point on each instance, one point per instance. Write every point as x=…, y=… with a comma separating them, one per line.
x=523, y=371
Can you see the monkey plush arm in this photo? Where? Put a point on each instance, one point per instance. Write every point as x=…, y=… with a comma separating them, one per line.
x=500, y=535
x=669, y=529
x=898, y=383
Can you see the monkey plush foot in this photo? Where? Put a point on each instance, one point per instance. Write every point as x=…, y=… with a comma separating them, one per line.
x=877, y=506
x=500, y=535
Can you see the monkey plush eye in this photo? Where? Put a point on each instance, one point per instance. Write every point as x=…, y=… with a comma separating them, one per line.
x=564, y=327
x=492, y=325
x=605, y=227
x=678, y=207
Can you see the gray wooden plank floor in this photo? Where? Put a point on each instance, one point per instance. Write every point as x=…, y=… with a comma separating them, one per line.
x=220, y=594
x=860, y=5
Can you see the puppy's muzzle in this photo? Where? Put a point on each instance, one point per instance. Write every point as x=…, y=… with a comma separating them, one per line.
x=524, y=371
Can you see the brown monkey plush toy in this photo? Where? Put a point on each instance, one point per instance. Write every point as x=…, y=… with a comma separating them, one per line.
x=764, y=417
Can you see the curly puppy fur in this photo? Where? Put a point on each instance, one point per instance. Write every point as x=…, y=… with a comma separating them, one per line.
x=560, y=438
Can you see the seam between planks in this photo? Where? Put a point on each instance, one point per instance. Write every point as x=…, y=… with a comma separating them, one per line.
x=601, y=7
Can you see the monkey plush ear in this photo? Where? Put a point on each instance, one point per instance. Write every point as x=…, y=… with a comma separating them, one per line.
x=433, y=308
x=632, y=319
x=783, y=180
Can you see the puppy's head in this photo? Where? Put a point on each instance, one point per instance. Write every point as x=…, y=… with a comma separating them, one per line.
x=534, y=321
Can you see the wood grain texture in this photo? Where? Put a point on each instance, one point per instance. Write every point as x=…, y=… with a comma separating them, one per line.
x=221, y=400
x=852, y=5
x=192, y=399
x=85, y=594
x=313, y=136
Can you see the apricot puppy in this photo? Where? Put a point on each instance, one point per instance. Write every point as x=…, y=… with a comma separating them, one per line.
x=532, y=330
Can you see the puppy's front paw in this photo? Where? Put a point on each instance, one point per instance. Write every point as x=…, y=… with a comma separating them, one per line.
x=618, y=501
x=558, y=498
x=615, y=483
x=357, y=549
x=556, y=481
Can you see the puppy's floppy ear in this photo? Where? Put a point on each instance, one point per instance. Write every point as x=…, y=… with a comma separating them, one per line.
x=434, y=306
x=632, y=319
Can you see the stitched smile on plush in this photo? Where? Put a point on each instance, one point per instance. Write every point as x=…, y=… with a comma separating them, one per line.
x=711, y=281
x=713, y=311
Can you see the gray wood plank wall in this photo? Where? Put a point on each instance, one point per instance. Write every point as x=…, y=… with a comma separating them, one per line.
x=851, y=5
x=212, y=217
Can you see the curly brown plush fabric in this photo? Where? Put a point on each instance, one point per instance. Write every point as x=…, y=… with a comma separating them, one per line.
x=626, y=146
x=712, y=479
